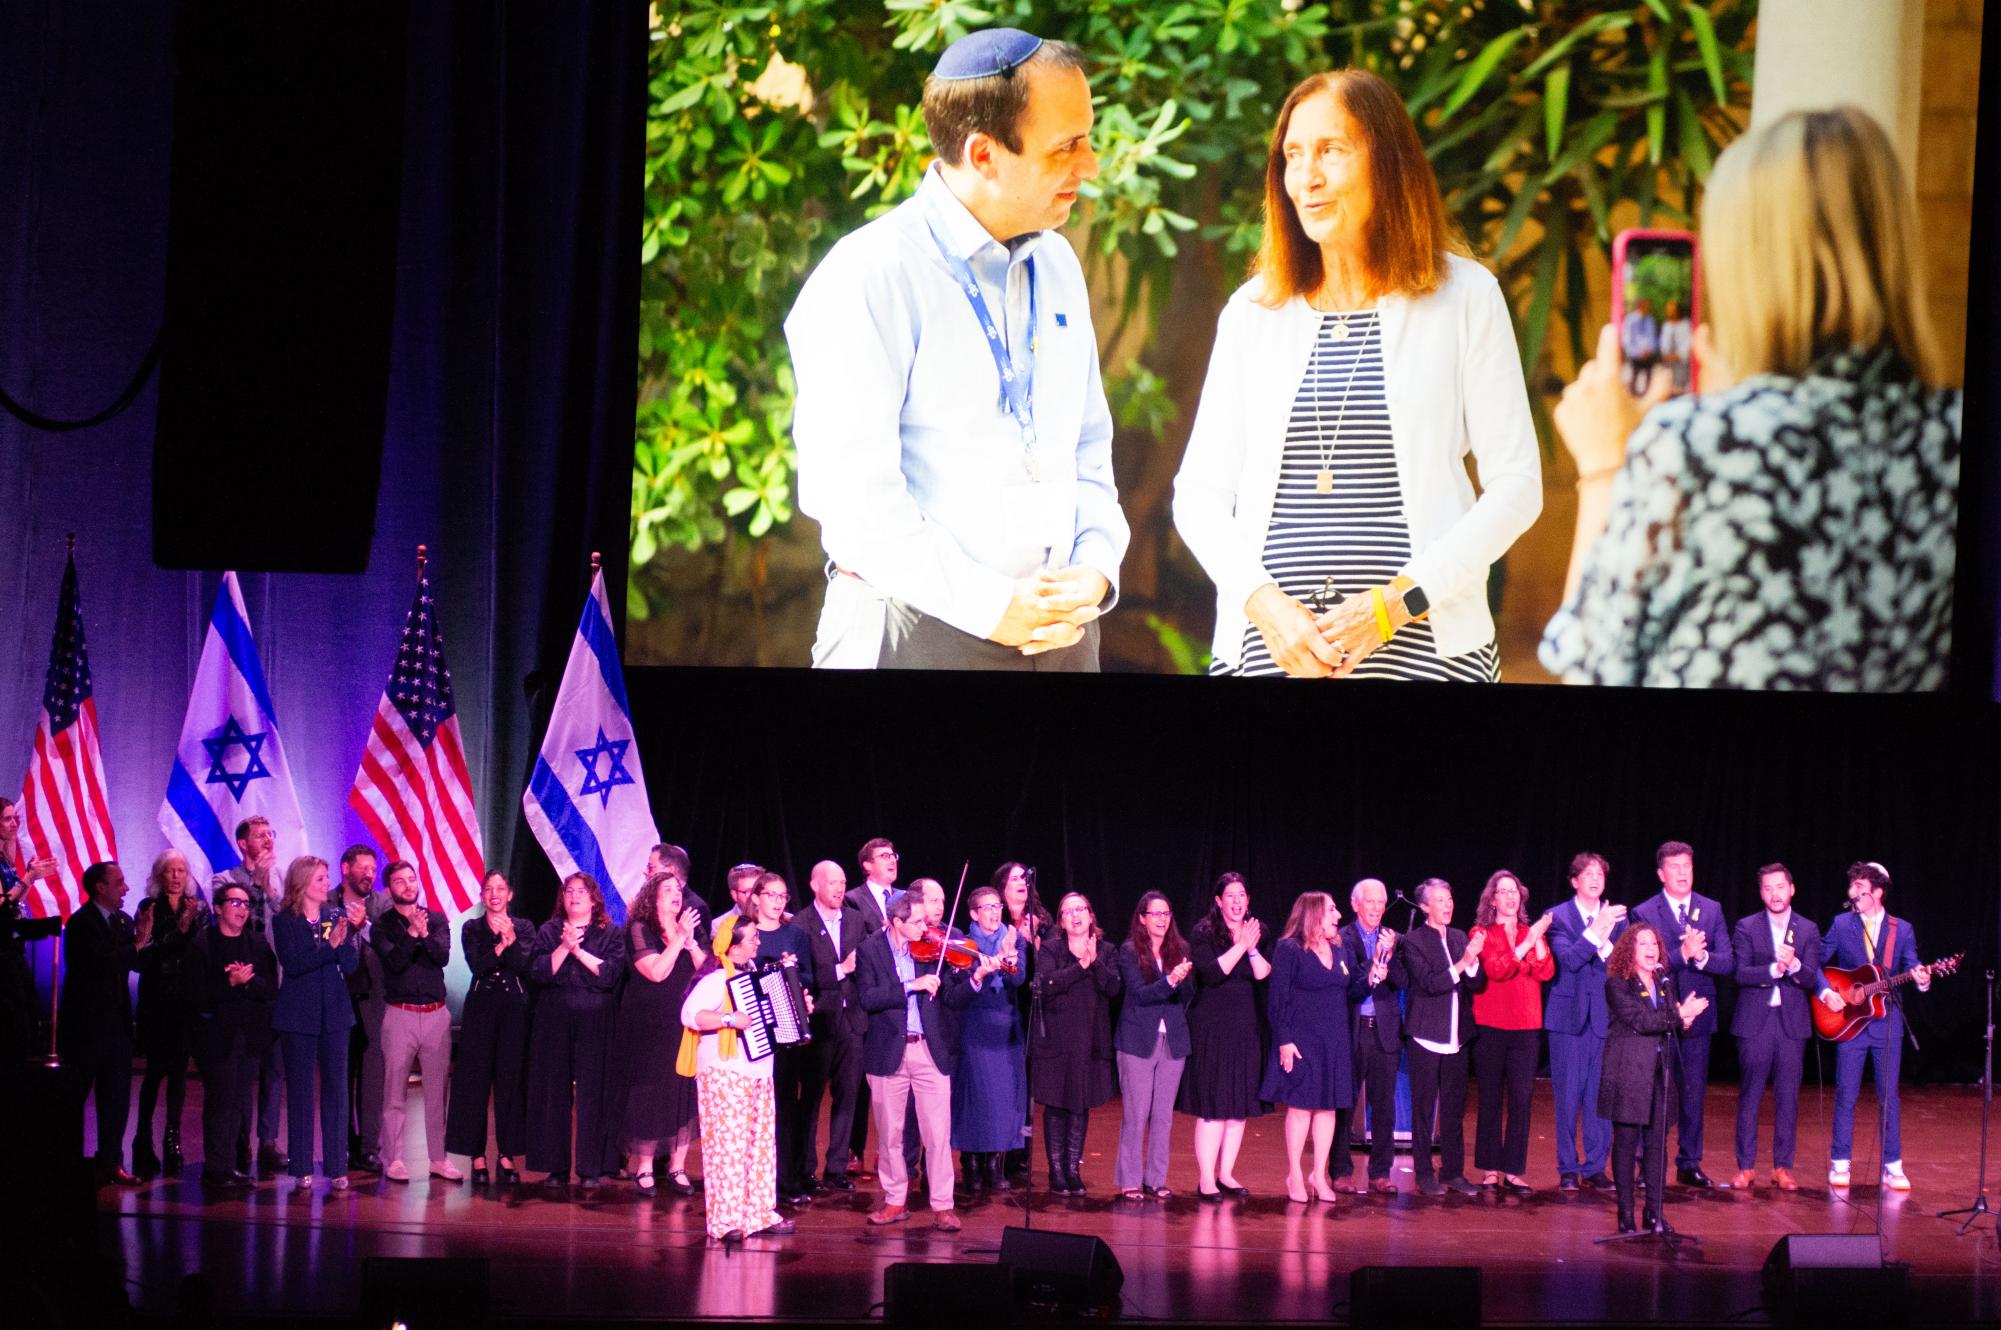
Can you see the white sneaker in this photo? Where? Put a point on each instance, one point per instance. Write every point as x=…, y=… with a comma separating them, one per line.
x=1837, y=1173
x=397, y=1171
x=340, y=1183
x=302, y=1188
x=448, y=1171
x=1894, y=1179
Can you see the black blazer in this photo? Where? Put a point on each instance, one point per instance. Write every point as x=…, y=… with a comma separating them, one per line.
x=1432, y=987
x=1147, y=1004
x=1637, y=1029
x=1389, y=1016
x=230, y=1009
x=98, y=954
x=837, y=1002
x=883, y=999
x=862, y=899
x=1751, y=946
x=1076, y=1014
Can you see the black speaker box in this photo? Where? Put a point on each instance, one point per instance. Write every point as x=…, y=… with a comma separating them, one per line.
x=281, y=257
x=1438, y=1297
x=424, y=1292
x=1062, y=1269
x=916, y=1294
x=1818, y=1278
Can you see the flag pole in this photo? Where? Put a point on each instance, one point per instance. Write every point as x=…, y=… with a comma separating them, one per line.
x=54, y=1060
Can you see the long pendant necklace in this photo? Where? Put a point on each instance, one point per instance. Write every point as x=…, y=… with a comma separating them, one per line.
x=1337, y=330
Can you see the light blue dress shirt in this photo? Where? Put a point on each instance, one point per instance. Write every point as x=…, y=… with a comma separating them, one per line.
x=905, y=444
x=906, y=970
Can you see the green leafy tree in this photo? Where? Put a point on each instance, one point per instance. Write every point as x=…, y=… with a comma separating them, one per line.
x=777, y=127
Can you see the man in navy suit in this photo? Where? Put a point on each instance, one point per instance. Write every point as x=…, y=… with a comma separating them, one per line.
x=1870, y=936
x=101, y=947
x=910, y=1051
x=1778, y=969
x=1377, y=1040
x=1696, y=947
x=1581, y=933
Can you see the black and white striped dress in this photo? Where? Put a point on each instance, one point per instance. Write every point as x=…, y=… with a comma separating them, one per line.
x=1356, y=533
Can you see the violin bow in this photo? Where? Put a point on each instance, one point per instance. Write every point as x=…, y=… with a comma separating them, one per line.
x=950, y=915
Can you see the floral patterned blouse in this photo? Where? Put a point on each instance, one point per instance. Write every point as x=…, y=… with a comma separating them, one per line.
x=1785, y=533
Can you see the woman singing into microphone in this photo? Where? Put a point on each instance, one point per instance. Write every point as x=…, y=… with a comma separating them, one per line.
x=1633, y=1091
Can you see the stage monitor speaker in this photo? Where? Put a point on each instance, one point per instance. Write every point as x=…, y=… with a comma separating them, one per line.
x=281, y=261
x=424, y=1292
x=1819, y=1278
x=1062, y=1272
x=1438, y=1297
x=920, y=1294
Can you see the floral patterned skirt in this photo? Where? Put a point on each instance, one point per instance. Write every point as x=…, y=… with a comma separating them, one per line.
x=739, y=1151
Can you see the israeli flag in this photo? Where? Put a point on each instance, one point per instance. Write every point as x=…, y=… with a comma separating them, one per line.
x=586, y=801
x=229, y=764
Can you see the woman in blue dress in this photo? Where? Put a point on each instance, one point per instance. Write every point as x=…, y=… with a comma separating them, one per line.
x=990, y=1086
x=1311, y=1067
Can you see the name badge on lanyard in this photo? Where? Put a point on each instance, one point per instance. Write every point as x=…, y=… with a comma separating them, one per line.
x=1038, y=514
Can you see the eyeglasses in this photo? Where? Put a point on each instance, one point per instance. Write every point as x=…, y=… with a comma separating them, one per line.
x=986, y=905
x=769, y=895
x=243, y=901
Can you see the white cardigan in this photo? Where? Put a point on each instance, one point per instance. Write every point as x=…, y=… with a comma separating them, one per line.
x=1453, y=378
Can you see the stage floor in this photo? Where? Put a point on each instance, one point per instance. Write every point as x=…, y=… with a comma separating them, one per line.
x=1240, y=1262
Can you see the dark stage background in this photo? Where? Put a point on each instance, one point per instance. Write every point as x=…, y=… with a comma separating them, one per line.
x=507, y=448
x=1118, y=785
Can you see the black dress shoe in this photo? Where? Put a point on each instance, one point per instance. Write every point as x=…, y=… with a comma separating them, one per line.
x=509, y=1175
x=271, y=1159
x=1238, y=1192
x=1208, y=1195
x=1599, y=1179
x=1655, y=1224
x=837, y=1182
x=796, y=1198
x=1431, y=1187
x=1626, y=1224
x=681, y=1184
x=784, y=1228
x=1568, y=1182
x=1462, y=1186
x=555, y=1181
x=1693, y=1177
x=369, y=1162
x=480, y=1177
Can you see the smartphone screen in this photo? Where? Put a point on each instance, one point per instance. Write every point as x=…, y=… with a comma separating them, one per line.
x=1655, y=306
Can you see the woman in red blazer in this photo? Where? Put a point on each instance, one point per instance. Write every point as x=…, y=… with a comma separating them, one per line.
x=1508, y=1014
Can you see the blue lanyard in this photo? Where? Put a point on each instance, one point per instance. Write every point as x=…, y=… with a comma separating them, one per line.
x=1017, y=375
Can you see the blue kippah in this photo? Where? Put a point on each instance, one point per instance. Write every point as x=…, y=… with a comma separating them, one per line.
x=981, y=55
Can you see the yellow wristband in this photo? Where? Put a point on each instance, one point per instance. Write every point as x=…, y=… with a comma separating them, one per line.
x=1382, y=614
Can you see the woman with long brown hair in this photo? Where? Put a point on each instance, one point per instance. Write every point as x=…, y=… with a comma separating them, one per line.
x=1324, y=489
x=1220, y=1087
x=1153, y=1044
x=1508, y=1015
x=579, y=958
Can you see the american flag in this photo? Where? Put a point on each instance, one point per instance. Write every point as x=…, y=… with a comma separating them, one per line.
x=414, y=791
x=64, y=814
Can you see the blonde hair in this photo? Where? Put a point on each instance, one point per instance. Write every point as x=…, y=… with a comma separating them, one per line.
x=297, y=876
x=1303, y=925
x=1810, y=238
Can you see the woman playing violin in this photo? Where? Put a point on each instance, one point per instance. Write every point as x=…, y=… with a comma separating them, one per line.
x=990, y=1087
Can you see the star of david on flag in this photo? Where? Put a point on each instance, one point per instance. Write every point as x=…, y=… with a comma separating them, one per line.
x=586, y=801
x=230, y=763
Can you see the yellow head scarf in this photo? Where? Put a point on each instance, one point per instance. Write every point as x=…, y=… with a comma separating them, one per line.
x=691, y=1039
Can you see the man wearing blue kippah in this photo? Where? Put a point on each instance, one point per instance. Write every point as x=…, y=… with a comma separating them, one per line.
x=954, y=440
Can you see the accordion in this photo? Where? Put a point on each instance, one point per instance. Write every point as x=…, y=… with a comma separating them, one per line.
x=775, y=1001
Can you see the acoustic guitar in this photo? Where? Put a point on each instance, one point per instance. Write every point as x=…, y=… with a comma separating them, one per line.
x=1861, y=991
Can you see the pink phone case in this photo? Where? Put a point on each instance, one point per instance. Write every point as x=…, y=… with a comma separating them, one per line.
x=1694, y=243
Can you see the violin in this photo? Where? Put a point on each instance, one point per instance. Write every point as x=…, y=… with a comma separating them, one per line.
x=961, y=953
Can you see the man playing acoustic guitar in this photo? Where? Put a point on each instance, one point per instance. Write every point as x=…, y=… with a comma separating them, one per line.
x=1868, y=935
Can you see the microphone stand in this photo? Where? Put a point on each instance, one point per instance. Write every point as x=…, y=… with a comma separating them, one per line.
x=1025, y=950
x=1980, y=1206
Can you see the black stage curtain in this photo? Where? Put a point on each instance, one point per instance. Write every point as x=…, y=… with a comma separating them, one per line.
x=1114, y=785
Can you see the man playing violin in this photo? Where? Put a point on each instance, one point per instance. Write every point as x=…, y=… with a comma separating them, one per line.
x=1869, y=935
x=910, y=1052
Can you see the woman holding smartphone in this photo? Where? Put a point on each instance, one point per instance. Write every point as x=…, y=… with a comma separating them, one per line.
x=1792, y=526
